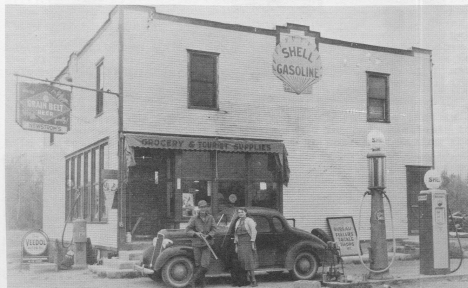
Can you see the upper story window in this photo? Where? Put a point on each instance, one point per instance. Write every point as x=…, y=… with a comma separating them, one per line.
x=203, y=80
x=377, y=97
x=99, y=86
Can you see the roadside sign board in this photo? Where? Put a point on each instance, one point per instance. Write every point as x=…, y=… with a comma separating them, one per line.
x=43, y=108
x=344, y=233
x=34, y=247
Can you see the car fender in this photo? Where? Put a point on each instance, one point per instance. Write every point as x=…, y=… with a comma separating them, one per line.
x=302, y=246
x=172, y=252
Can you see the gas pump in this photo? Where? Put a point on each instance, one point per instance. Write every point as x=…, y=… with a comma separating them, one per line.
x=433, y=230
x=79, y=237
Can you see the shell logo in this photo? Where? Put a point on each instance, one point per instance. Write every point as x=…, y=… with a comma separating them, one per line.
x=296, y=62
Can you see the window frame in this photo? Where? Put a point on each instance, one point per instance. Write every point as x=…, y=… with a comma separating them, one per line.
x=386, y=108
x=215, y=56
x=100, y=87
x=81, y=172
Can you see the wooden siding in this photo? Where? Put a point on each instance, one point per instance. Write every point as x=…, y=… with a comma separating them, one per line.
x=85, y=129
x=325, y=133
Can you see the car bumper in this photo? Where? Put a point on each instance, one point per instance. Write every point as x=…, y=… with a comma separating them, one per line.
x=143, y=270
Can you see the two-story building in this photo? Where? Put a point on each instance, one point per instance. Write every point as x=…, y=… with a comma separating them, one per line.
x=214, y=111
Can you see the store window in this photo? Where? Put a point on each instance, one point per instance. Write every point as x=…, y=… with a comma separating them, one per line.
x=203, y=80
x=84, y=196
x=263, y=184
x=377, y=97
x=227, y=180
x=197, y=175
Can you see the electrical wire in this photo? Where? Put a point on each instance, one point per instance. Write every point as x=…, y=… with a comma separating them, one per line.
x=393, y=235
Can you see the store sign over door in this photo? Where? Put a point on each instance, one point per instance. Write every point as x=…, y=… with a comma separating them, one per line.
x=296, y=61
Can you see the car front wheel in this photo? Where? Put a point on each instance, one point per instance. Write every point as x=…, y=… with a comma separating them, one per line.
x=178, y=271
x=305, y=266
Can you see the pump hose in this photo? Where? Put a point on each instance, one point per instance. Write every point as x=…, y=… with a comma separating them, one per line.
x=393, y=235
x=459, y=243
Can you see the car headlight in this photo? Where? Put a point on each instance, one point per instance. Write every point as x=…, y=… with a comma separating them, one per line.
x=155, y=239
x=166, y=243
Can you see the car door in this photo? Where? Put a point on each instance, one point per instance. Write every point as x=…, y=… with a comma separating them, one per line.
x=282, y=240
x=266, y=246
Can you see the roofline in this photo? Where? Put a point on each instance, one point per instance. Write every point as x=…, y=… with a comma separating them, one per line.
x=250, y=29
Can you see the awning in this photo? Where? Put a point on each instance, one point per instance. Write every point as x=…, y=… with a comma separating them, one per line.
x=207, y=144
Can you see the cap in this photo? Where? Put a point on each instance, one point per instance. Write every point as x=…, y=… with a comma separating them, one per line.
x=202, y=203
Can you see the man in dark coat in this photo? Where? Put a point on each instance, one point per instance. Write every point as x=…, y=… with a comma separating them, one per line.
x=201, y=225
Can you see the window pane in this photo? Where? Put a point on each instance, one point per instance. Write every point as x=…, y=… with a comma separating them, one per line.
x=264, y=194
x=377, y=87
x=202, y=68
x=102, y=196
x=262, y=167
x=278, y=224
x=196, y=165
x=231, y=194
x=376, y=109
x=79, y=182
x=192, y=192
x=67, y=189
x=262, y=224
x=231, y=165
x=202, y=94
x=86, y=185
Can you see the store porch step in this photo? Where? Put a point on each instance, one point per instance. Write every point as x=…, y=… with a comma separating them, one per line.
x=119, y=267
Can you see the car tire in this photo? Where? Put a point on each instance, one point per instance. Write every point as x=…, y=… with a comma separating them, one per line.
x=305, y=266
x=155, y=276
x=178, y=271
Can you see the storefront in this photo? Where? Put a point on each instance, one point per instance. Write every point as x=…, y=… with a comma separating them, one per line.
x=168, y=175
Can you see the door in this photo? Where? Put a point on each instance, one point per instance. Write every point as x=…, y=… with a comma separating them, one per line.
x=147, y=193
x=414, y=184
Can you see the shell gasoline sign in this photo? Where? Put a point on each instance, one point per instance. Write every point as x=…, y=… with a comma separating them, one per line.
x=296, y=61
x=42, y=107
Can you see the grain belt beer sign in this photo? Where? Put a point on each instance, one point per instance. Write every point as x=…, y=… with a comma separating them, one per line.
x=296, y=61
x=42, y=107
x=34, y=247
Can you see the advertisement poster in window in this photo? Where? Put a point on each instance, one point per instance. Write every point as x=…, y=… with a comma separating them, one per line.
x=187, y=206
x=344, y=233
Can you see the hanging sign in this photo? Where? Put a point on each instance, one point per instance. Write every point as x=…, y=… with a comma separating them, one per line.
x=296, y=61
x=35, y=247
x=42, y=107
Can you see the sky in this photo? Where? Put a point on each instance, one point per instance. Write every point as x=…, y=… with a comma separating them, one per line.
x=40, y=38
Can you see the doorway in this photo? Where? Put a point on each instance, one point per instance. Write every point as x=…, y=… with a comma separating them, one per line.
x=147, y=187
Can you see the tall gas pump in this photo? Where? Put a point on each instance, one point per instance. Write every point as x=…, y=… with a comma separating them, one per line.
x=79, y=238
x=433, y=230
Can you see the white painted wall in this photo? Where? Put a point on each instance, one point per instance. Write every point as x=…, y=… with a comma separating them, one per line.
x=325, y=133
x=85, y=129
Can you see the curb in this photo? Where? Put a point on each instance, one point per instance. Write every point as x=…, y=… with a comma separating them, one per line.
x=398, y=281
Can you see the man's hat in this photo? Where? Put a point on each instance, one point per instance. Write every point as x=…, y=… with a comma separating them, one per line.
x=202, y=203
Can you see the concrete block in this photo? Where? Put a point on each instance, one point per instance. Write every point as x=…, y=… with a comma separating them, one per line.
x=43, y=267
x=306, y=284
x=104, y=271
x=118, y=263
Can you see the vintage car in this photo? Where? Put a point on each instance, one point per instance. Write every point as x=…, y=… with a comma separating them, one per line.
x=280, y=246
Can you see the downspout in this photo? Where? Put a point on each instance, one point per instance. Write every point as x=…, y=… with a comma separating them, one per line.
x=122, y=199
x=432, y=113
